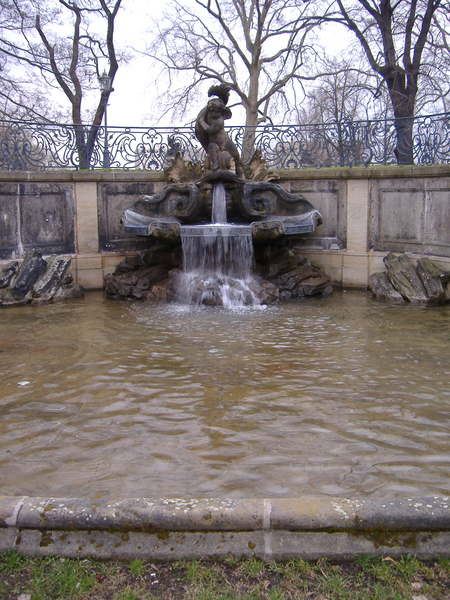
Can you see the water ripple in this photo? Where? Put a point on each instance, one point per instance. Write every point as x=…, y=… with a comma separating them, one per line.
x=334, y=396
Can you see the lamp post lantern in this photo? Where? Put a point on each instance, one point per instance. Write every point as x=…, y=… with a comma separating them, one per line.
x=105, y=82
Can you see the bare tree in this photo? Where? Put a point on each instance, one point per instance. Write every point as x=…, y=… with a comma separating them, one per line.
x=257, y=47
x=394, y=35
x=37, y=42
x=346, y=92
x=434, y=90
x=15, y=102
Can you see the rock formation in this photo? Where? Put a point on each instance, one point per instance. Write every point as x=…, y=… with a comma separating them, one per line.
x=144, y=276
x=37, y=280
x=282, y=273
x=421, y=283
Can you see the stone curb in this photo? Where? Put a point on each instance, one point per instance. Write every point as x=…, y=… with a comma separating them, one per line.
x=178, y=514
x=307, y=527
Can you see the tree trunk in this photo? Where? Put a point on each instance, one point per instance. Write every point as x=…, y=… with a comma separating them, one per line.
x=403, y=101
x=248, y=142
x=404, y=150
x=84, y=157
x=85, y=143
x=251, y=115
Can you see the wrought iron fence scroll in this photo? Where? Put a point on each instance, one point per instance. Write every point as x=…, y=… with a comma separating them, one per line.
x=42, y=146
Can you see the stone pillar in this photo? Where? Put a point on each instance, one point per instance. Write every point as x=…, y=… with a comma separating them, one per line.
x=355, y=265
x=89, y=271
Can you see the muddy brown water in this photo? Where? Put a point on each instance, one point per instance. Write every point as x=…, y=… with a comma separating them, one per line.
x=334, y=396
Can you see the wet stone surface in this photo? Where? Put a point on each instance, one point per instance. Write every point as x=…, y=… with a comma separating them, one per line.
x=407, y=280
x=280, y=273
x=37, y=280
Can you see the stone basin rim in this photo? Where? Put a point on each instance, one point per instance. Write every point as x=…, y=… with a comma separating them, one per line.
x=307, y=527
x=183, y=514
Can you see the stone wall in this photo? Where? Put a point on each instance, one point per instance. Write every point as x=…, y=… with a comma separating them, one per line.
x=367, y=213
x=410, y=214
x=36, y=215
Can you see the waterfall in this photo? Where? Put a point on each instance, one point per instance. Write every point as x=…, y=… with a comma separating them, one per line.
x=217, y=250
x=219, y=204
x=217, y=262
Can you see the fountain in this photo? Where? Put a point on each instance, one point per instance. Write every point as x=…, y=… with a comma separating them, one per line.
x=228, y=416
x=217, y=218
x=217, y=265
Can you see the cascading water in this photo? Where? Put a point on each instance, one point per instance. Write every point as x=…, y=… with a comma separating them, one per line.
x=219, y=204
x=217, y=260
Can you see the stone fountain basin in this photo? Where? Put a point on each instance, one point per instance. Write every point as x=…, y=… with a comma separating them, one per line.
x=105, y=399
x=277, y=226
x=266, y=207
x=158, y=227
x=268, y=228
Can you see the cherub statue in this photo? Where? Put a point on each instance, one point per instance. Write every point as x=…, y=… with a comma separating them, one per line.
x=210, y=131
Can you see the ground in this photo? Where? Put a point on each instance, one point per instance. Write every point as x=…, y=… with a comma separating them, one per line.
x=25, y=578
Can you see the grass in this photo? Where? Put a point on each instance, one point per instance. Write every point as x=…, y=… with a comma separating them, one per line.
x=137, y=567
x=367, y=578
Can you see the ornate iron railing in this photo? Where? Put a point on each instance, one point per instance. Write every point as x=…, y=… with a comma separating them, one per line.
x=38, y=146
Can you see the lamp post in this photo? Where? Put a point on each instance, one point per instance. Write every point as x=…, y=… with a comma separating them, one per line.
x=105, y=82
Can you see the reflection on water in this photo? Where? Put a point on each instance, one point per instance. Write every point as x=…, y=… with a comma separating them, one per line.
x=333, y=396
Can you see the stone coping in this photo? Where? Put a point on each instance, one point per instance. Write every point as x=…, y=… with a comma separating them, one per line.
x=226, y=514
x=120, y=175
x=307, y=527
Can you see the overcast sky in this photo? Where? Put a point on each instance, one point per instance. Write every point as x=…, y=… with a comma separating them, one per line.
x=134, y=86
